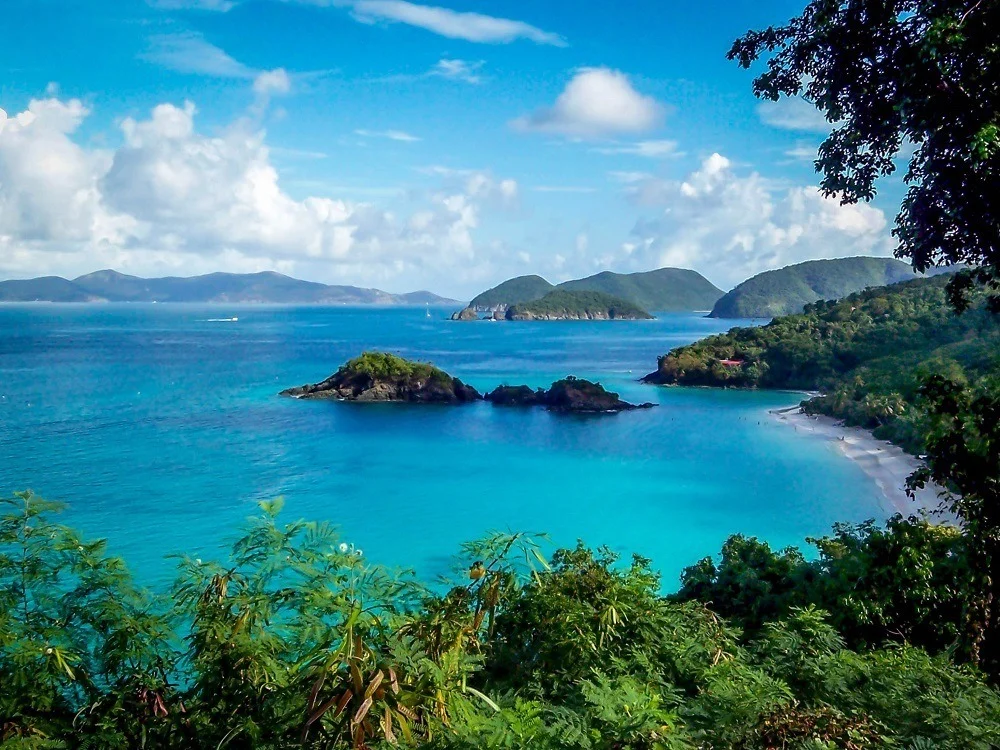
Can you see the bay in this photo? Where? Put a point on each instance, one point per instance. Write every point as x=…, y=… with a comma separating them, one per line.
x=161, y=427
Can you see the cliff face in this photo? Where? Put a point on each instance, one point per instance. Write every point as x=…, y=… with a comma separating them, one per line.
x=375, y=377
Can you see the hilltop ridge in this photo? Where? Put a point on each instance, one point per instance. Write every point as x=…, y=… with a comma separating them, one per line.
x=263, y=287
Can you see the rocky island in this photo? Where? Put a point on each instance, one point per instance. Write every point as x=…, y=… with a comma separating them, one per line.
x=581, y=305
x=379, y=376
x=567, y=395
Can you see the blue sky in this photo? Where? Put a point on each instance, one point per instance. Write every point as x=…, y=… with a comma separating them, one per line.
x=405, y=145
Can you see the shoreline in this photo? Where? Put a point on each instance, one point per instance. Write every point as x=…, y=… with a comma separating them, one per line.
x=887, y=464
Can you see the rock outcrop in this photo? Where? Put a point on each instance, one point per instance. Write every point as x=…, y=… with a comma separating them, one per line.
x=567, y=395
x=469, y=313
x=377, y=376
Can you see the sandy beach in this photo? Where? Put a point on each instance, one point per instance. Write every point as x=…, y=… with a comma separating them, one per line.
x=884, y=462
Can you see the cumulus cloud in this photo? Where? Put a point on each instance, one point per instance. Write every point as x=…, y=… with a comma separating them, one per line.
x=794, y=113
x=731, y=227
x=271, y=82
x=597, y=102
x=472, y=27
x=172, y=200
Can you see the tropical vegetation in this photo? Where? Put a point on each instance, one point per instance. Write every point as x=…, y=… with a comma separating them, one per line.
x=786, y=291
x=294, y=639
x=868, y=354
x=662, y=290
x=906, y=80
x=561, y=304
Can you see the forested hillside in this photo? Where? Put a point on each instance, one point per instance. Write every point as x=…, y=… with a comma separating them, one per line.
x=788, y=290
x=867, y=353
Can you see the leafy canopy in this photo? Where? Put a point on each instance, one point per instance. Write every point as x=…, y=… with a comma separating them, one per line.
x=896, y=75
x=295, y=640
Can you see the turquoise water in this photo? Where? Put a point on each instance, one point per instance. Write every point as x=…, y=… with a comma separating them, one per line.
x=162, y=429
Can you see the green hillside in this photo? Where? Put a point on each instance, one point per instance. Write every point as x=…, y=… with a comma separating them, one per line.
x=867, y=353
x=44, y=289
x=581, y=305
x=264, y=287
x=513, y=291
x=663, y=290
x=787, y=291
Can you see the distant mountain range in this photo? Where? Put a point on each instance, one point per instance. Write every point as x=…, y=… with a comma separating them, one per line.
x=663, y=290
x=788, y=290
x=266, y=287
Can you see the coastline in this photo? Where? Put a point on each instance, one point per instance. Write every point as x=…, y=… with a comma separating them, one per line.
x=887, y=464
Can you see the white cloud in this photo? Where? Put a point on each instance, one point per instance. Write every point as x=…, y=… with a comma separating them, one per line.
x=3, y=120
x=648, y=149
x=597, y=102
x=188, y=52
x=472, y=27
x=731, y=227
x=458, y=70
x=802, y=153
x=271, y=82
x=172, y=200
x=794, y=113
x=392, y=135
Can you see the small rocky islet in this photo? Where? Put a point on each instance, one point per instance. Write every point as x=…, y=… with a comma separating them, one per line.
x=379, y=377
x=382, y=377
x=567, y=395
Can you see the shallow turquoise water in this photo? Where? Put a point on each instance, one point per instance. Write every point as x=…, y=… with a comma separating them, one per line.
x=163, y=429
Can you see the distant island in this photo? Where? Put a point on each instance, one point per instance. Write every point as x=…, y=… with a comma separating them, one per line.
x=867, y=354
x=662, y=290
x=375, y=377
x=582, y=305
x=788, y=290
x=264, y=288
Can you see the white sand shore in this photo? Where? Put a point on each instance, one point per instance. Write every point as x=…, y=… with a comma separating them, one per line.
x=884, y=462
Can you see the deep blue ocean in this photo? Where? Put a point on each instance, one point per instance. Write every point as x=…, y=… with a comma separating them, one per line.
x=161, y=428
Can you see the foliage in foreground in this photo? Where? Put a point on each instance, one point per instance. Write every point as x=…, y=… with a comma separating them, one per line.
x=891, y=77
x=296, y=641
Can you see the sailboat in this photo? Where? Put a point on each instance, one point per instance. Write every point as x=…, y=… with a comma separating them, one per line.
x=428, y=311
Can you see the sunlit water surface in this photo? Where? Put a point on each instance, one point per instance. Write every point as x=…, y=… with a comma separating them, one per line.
x=162, y=428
